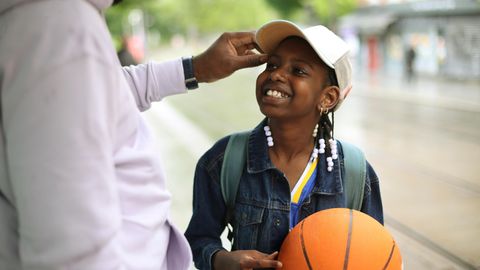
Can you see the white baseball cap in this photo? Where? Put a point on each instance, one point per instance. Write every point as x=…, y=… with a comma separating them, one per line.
x=329, y=47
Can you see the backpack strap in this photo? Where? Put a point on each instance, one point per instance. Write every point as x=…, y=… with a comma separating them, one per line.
x=232, y=168
x=355, y=173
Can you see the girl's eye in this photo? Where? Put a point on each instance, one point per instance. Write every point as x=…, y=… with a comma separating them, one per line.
x=299, y=71
x=271, y=66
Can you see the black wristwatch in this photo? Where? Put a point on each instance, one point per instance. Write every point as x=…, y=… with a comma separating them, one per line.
x=190, y=80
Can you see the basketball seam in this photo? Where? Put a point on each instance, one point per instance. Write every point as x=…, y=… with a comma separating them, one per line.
x=304, y=249
x=390, y=256
x=349, y=240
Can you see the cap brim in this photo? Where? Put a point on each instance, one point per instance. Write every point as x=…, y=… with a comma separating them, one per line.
x=271, y=34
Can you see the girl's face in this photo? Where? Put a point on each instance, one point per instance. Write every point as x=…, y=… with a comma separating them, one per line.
x=292, y=83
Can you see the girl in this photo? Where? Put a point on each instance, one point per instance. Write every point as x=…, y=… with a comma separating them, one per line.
x=294, y=166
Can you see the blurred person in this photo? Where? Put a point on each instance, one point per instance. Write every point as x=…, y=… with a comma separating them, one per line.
x=81, y=186
x=294, y=166
x=124, y=54
x=410, y=56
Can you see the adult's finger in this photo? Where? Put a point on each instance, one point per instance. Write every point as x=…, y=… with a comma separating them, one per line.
x=238, y=39
x=242, y=41
x=244, y=48
x=250, y=60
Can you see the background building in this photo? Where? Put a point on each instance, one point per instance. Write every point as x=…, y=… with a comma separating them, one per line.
x=444, y=33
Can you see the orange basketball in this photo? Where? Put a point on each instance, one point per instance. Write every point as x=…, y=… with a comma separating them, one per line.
x=339, y=238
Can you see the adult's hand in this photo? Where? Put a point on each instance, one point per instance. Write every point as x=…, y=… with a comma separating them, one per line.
x=244, y=260
x=230, y=52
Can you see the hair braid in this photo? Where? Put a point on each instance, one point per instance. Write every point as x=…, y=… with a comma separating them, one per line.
x=325, y=129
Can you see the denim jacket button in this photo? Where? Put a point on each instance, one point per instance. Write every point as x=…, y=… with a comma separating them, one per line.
x=277, y=222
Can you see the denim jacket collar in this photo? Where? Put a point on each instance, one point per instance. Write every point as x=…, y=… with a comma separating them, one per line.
x=258, y=161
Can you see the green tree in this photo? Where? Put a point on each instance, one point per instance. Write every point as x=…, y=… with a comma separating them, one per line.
x=313, y=11
x=117, y=16
x=198, y=18
x=328, y=11
x=229, y=15
x=286, y=9
x=192, y=18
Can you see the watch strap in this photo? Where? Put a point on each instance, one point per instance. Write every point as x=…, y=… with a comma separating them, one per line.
x=190, y=80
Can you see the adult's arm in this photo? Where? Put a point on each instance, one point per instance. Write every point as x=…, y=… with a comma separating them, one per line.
x=155, y=80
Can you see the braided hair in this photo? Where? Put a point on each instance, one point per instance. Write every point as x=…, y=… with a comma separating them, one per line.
x=326, y=124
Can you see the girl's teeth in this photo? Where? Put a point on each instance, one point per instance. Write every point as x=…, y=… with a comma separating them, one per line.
x=275, y=93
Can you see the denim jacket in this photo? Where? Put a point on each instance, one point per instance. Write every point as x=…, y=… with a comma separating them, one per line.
x=262, y=209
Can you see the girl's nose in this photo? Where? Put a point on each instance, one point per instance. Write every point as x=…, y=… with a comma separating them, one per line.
x=278, y=75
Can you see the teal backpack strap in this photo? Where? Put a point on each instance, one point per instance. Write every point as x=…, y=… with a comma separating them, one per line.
x=355, y=173
x=232, y=168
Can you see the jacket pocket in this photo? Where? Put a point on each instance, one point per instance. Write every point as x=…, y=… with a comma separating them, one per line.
x=248, y=219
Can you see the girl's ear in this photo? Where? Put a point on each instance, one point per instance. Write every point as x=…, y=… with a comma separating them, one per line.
x=328, y=98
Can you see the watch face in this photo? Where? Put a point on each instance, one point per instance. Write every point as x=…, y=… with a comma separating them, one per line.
x=191, y=83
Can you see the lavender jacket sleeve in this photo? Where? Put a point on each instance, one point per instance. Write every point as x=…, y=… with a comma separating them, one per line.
x=155, y=80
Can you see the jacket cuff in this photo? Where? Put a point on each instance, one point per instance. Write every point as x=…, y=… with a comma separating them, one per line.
x=208, y=254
